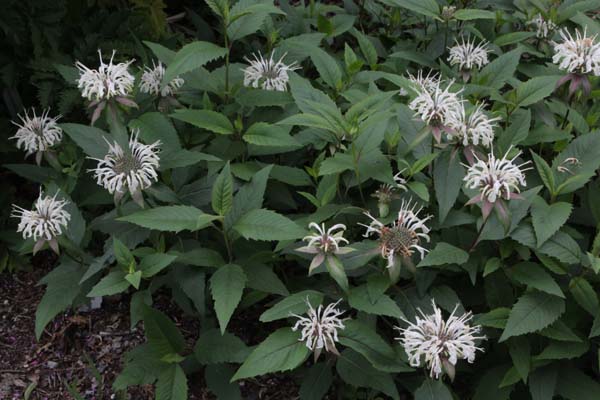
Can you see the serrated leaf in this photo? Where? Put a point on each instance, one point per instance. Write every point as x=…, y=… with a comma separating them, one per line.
x=90, y=139
x=230, y=348
x=172, y=384
x=112, y=283
x=532, y=275
x=535, y=89
x=357, y=371
x=547, y=219
x=293, y=304
x=575, y=385
x=584, y=294
x=542, y=382
x=447, y=178
x=443, y=254
x=433, y=389
x=468, y=14
x=222, y=192
x=429, y=8
x=227, y=286
x=520, y=353
x=163, y=336
x=263, y=134
x=280, y=351
x=360, y=299
x=532, y=312
x=563, y=350
x=206, y=119
x=264, y=224
x=191, y=56
x=152, y=264
x=316, y=382
x=170, y=218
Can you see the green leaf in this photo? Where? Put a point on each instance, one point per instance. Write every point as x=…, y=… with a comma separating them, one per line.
x=122, y=254
x=542, y=382
x=227, y=286
x=156, y=126
x=218, y=377
x=163, y=336
x=112, y=283
x=33, y=172
x=532, y=275
x=134, y=278
x=170, y=218
x=560, y=331
x=222, y=192
x=495, y=318
x=281, y=351
x=428, y=8
x=520, y=353
x=468, y=14
x=262, y=277
x=532, y=312
x=183, y=158
x=357, y=371
x=231, y=348
x=585, y=150
x=263, y=134
x=205, y=119
x=249, y=197
x=433, y=389
x=584, y=294
x=62, y=289
x=164, y=54
x=267, y=225
x=547, y=219
x=575, y=385
x=360, y=299
x=90, y=139
x=443, y=254
x=152, y=264
x=546, y=173
x=361, y=338
x=293, y=304
x=563, y=350
x=535, y=89
x=327, y=66
x=512, y=38
x=499, y=71
x=316, y=382
x=447, y=179
x=172, y=384
x=192, y=56
x=248, y=16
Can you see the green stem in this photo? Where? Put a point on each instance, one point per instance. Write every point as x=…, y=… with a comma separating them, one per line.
x=227, y=244
x=479, y=232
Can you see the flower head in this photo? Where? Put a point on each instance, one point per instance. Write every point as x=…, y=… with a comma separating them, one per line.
x=108, y=81
x=133, y=169
x=387, y=192
x=472, y=128
x=45, y=222
x=468, y=55
x=320, y=327
x=267, y=73
x=579, y=55
x=152, y=78
x=440, y=343
x=420, y=81
x=544, y=27
x=37, y=134
x=496, y=178
x=324, y=242
x=435, y=105
x=404, y=236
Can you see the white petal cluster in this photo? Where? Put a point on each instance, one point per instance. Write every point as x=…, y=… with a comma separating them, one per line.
x=267, y=73
x=325, y=240
x=434, y=104
x=133, y=169
x=472, y=128
x=152, y=78
x=37, y=133
x=579, y=54
x=404, y=236
x=543, y=27
x=429, y=82
x=496, y=178
x=439, y=343
x=320, y=328
x=46, y=221
x=108, y=81
x=468, y=55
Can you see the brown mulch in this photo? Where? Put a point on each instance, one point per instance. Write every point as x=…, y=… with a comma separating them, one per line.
x=62, y=356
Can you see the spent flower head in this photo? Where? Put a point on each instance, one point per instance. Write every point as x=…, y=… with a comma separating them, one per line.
x=438, y=344
x=37, y=134
x=319, y=329
x=468, y=55
x=151, y=81
x=267, y=73
x=472, y=128
x=404, y=236
x=45, y=222
x=323, y=242
x=133, y=169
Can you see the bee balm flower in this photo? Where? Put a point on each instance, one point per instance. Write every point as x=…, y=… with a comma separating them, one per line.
x=268, y=74
x=578, y=56
x=44, y=223
x=403, y=237
x=439, y=343
x=472, y=128
x=543, y=26
x=152, y=78
x=468, y=56
x=320, y=328
x=37, y=134
x=133, y=169
x=324, y=242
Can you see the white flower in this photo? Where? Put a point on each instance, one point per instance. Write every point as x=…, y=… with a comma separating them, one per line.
x=439, y=343
x=133, y=169
x=45, y=222
x=543, y=27
x=324, y=242
x=429, y=82
x=472, y=128
x=108, y=81
x=320, y=328
x=435, y=106
x=468, y=55
x=580, y=55
x=152, y=78
x=267, y=74
x=496, y=178
x=37, y=133
x=404, y=236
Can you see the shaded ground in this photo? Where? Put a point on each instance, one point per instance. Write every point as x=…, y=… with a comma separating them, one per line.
x=62, y=355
